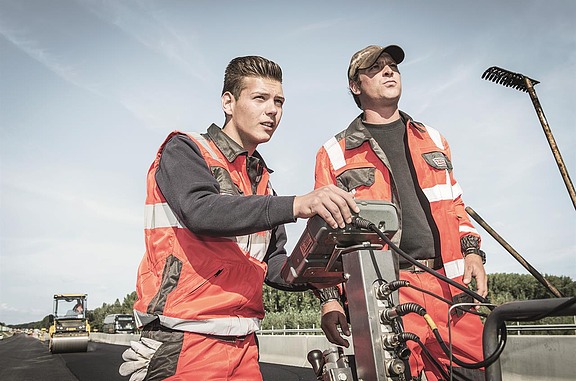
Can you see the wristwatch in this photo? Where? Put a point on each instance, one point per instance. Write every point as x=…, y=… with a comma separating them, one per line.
x=328, y=294
x=475, y=250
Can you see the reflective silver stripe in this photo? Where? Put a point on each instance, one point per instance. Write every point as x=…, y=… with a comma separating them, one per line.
x=229, y=326
x=435, y=136
x=159, y=216
x=258, y=249
x=204, y=143
x=256, y=244
x=442, y=192
x=335, y=153
x=456, y=191
x=467, y=229
x=454, y=268
x=141, y=319
x=438, y=193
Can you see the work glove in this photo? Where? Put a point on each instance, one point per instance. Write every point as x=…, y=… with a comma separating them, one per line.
x=137, y=358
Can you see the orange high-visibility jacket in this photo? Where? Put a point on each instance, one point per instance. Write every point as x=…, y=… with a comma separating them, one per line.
x=355, y=162
x=198, y=283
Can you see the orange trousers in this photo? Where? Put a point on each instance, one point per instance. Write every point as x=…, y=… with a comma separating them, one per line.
x=209, y=359
x=466, y=330
x=187, y=356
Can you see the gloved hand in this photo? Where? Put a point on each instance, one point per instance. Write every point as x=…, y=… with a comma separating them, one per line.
x=138, y=357
x=332, y=317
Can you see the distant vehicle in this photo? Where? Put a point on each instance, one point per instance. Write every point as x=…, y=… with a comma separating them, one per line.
x=119, y=323
x=69, y=330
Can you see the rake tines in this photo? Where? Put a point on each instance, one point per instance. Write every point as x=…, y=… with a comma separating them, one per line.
x=526, y=84
x=507, y=78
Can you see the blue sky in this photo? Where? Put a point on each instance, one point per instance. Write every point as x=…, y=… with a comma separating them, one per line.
x=91, y=88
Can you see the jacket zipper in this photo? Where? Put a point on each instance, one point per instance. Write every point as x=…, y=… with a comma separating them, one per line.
x=205, y=281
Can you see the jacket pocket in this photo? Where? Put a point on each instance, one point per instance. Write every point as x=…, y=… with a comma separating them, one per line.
x=356, y=177
x=194, y=285
x=437, y=160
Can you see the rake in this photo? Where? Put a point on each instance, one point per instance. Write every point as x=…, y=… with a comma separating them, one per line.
x=523, y=83
x=513, y=252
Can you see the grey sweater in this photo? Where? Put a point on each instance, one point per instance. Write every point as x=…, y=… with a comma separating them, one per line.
x=194, y=196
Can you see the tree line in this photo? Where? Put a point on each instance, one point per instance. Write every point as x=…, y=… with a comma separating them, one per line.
x=302, y=309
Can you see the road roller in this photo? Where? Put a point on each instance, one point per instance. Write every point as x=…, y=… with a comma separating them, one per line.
x=69, y=330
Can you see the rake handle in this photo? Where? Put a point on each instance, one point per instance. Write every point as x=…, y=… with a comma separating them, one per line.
x=513, y=252
x=551, y=141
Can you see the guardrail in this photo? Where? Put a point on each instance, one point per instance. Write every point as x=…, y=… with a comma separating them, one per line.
x=525, y=357
x=544, y=327
x=123, y=338
x=291, y=331
x=510, y=328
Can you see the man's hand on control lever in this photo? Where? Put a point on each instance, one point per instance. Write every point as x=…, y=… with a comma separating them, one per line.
x=332, y=317
x=331, y=203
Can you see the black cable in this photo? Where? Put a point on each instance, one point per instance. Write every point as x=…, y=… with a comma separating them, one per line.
x=486, y=362
x=449, y=302
x=405, y=336
x=403, y=309
x=363, y=223
x=406, y=308
x=394, y=285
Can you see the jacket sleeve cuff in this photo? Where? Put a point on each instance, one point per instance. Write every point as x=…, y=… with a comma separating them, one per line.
x=281, y=210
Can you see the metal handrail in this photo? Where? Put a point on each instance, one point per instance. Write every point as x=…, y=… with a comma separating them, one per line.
x=298, y=331
x=541, y=327
x=509, y=328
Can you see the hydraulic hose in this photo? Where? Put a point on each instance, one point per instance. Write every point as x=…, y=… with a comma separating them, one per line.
x=448, y=302
x=405, y=336
x=365, y=224
x=517, y=311
x=413, y=307
x=403, y=309
x=565, y=305
x=396, y=284
x=486, y=362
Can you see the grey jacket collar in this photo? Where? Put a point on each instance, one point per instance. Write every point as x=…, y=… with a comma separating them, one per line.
x=357, y=133
x=229, y=148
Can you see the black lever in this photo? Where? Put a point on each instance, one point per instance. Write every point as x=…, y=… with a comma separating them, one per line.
x=316, y=359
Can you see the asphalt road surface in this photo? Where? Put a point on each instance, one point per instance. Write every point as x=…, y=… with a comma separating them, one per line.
x=25, y=358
